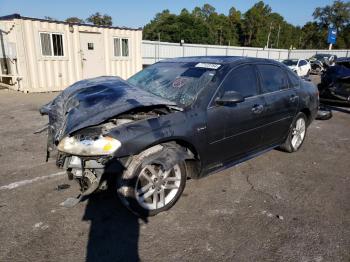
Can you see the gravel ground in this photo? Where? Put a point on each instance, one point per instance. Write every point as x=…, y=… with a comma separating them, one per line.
x=276, y=207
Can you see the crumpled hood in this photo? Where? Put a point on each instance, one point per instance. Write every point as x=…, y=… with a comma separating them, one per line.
x=93, y=101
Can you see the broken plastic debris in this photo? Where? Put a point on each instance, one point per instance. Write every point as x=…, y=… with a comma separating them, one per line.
x=279, y=217
x=44, y=227
x=62, y=187
x=38, y=224
x=71, y=201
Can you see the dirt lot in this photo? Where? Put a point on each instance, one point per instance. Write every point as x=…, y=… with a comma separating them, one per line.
x=277, y=207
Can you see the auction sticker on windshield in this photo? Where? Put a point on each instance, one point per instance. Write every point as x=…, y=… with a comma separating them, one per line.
x=208, y=65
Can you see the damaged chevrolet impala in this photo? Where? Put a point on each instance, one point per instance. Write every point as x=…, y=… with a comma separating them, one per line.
x=177, y=119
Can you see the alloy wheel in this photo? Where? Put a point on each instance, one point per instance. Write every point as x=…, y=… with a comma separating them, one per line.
x=156, y=187
x=298, y=133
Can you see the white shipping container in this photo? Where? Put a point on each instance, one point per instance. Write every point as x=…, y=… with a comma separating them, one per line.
x=51, y=55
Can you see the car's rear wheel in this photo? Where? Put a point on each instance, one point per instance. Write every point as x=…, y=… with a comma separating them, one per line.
x=148, y=188
x=296, y=134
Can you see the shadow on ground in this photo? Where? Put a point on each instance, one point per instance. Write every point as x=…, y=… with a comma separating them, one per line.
x=114, y=230
x=339, y=109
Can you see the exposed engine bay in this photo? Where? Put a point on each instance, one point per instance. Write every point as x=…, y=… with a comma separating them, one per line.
x=89, y=172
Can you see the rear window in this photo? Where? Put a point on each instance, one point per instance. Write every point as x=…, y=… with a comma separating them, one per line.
x=293, y=79
x=272, y=78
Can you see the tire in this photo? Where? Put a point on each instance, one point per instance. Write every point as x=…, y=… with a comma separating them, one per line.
x=145, y=176
x=308, y=73
x=296, y=136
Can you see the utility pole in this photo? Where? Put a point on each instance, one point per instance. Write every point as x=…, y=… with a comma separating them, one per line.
x=268, y=36
x=278, y=34
x=220, y=30
x=158, y=45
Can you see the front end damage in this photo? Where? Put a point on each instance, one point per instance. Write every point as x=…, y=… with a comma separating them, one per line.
x=92, y=172
x=81, y=119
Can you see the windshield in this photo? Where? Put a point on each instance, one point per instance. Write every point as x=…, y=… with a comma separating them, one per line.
x=177, y=82
x=290, y=62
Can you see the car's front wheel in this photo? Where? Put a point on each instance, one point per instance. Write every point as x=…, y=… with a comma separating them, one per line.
x=147, y=187
x=296, y=134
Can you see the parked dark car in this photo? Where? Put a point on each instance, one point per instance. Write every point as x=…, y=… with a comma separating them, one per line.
x=319, y=62
x=335, y=82
x=177, y=119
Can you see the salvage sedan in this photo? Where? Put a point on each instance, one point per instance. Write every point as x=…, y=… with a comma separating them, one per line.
x=335, y=83
x=177, y=119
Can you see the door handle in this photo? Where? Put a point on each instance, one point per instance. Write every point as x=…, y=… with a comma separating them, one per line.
x=257, y=109
x=293, y=98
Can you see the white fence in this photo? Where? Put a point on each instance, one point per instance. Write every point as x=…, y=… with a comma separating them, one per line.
x=153, y=51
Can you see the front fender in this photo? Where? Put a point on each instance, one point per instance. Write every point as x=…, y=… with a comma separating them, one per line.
x=137, y=136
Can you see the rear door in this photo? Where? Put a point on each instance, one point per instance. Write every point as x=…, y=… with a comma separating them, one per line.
x=236, y=130
x=281, y=102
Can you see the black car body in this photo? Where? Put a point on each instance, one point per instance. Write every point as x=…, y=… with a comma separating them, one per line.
x=319, y=62
x=335, y=82
x=210, y=113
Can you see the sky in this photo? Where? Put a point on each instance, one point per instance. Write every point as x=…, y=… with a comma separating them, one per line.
x=137, y=13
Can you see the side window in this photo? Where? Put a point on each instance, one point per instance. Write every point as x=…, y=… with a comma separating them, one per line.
x=293, y=79
x=242, y=80
x=272, y=78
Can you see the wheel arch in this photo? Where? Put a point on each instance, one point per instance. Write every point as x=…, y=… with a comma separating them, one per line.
x=193, y=163
x=307, y=113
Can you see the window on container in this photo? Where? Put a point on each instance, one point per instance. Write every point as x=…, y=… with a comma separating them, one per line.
x=121, y=47
x=117, y=47
x=45, y=44
x=51, y=44
x=57, y=43
x=125, y=47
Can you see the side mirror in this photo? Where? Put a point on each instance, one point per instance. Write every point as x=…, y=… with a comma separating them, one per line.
x=229, y=98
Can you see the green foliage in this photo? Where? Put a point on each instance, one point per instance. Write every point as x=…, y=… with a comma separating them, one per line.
x=99, y=19
x=75, y=20
x=205, y=26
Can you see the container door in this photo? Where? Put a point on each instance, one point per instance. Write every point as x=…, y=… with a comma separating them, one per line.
x=92, y=54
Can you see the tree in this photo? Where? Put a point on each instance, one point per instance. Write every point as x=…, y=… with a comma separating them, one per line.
x=204, y=25
x=312, y=36
x=75, y=20
x=49, y=18
x=99, y=19
x=255, y=24
x=336, y=15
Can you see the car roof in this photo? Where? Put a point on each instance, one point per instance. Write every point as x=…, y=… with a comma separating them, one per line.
x=343, y=59
x=216, y=59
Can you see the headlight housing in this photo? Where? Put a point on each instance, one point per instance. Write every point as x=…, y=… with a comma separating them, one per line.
x=103, y=145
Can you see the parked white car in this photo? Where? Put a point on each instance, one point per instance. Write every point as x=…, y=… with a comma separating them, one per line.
x=301, y=67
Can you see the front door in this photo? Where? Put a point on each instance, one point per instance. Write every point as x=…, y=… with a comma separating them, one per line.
x=92, y=54
x=235, y=130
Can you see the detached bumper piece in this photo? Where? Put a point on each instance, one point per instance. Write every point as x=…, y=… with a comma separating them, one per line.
x=86, y=171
